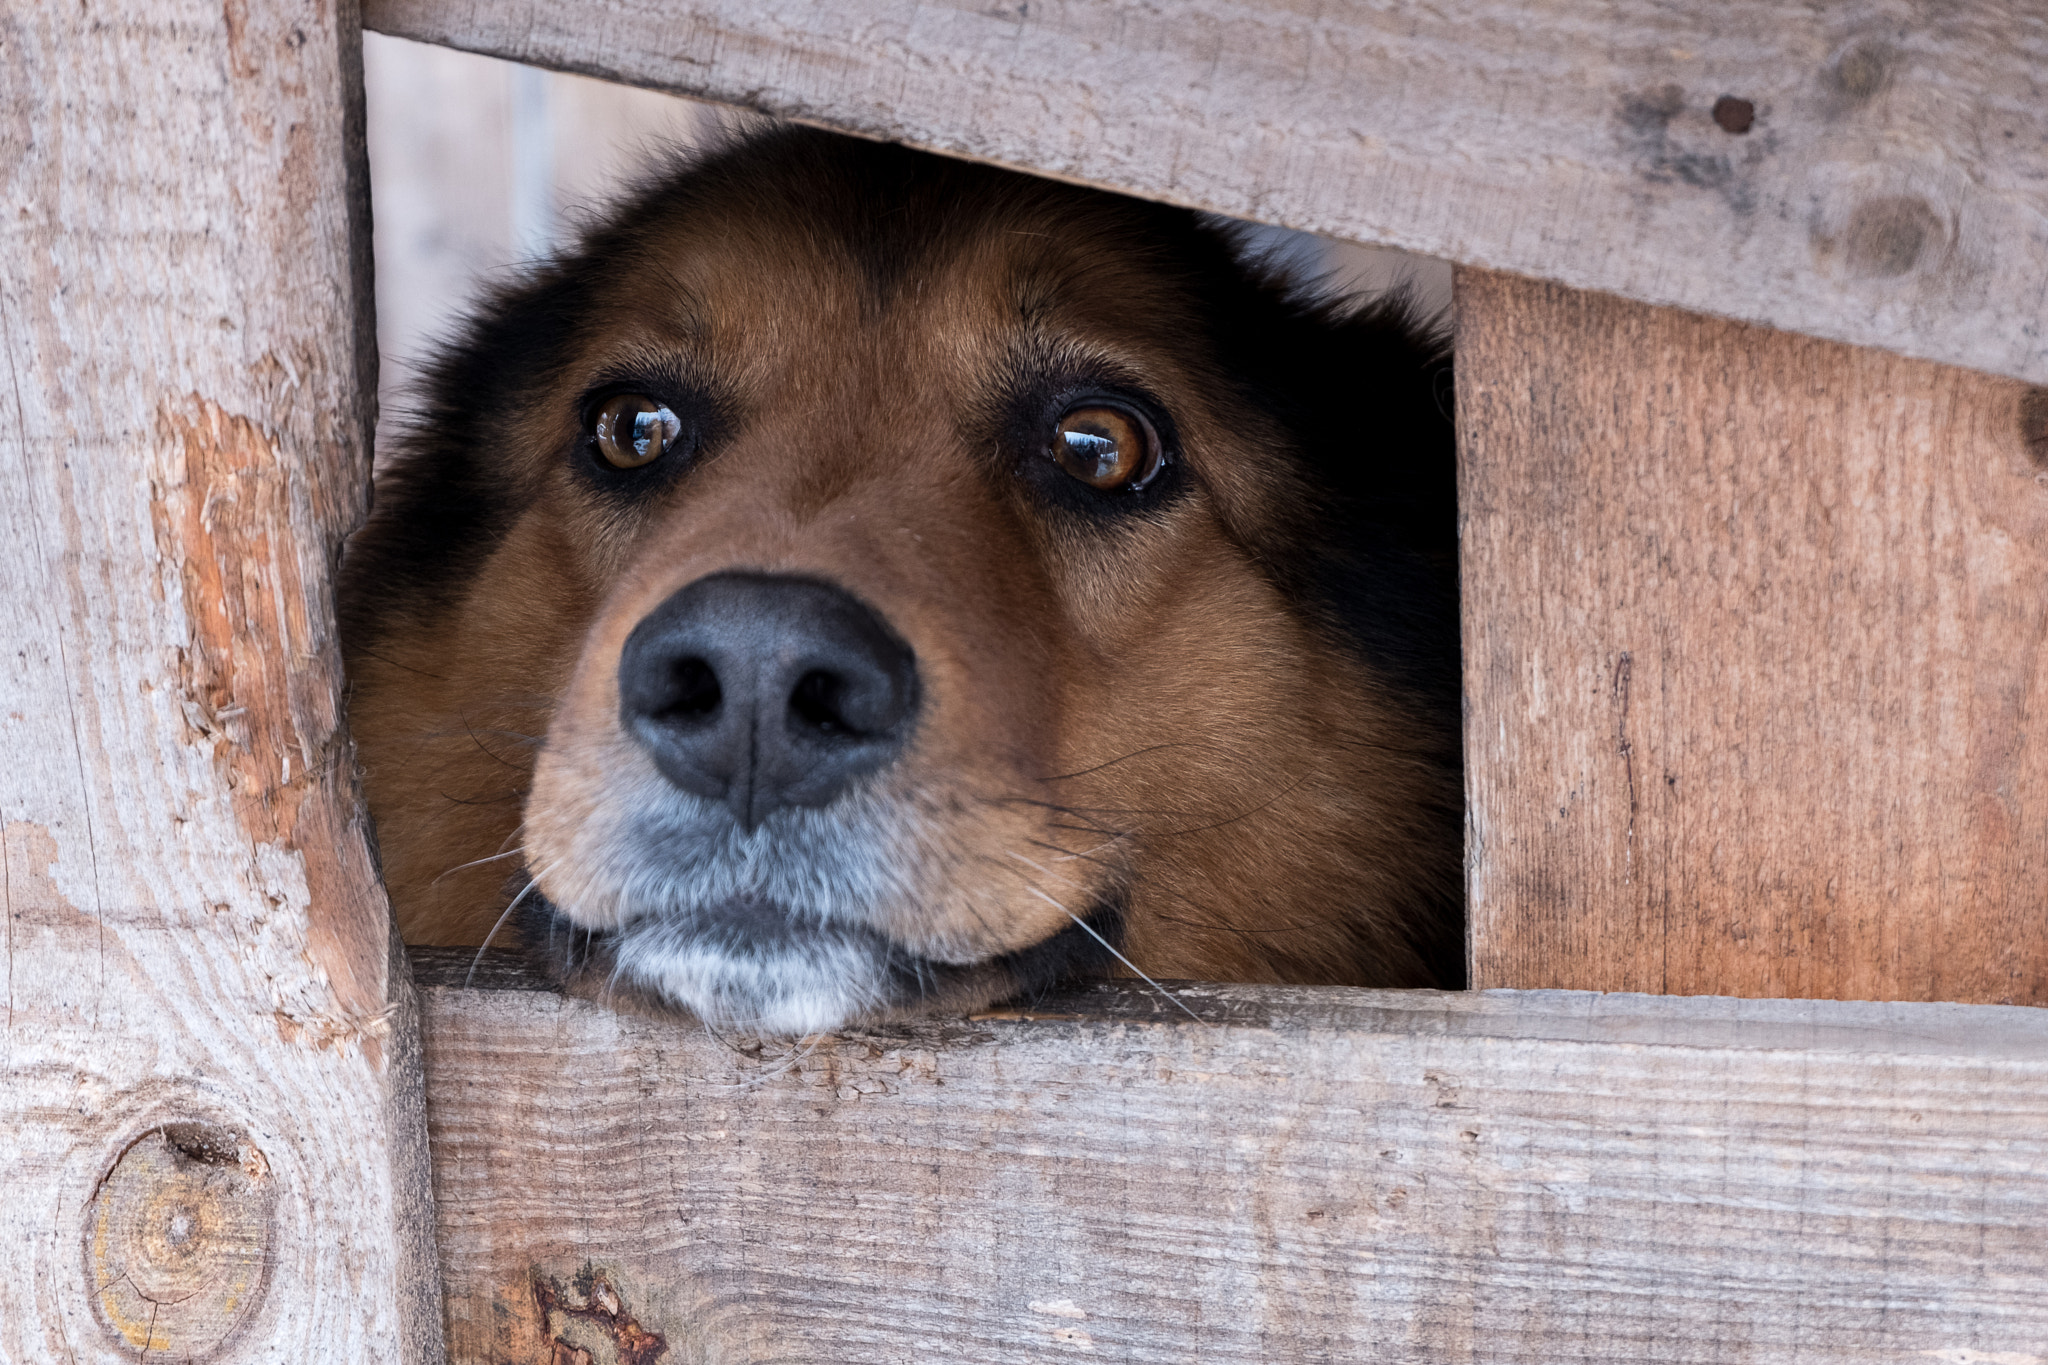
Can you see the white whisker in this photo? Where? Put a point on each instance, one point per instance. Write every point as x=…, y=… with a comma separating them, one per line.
x=476, y=961
x=1089, y=929
x=1086, y=854
x=479, y=862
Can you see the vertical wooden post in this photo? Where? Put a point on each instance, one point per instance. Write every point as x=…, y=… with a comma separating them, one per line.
x=213, y=1145
x=1756, y=659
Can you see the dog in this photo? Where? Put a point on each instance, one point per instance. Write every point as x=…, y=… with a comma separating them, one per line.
x=853, y=583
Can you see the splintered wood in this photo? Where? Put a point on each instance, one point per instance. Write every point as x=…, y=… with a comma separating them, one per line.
x=210, y=1138
x=1315, y=1175
x=1756, y=647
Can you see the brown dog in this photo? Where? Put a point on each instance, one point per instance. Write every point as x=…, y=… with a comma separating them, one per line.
x=855, y=582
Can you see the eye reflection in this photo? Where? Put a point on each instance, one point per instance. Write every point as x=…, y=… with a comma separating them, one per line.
x=1107, y=448
x=632, y=430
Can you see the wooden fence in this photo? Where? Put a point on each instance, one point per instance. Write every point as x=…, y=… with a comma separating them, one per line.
x=1754, y=682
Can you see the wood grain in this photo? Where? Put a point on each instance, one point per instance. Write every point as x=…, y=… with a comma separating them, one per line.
x=213, y=1138
x=1756, y=651
x=1315, y=1175
x=1890, y=190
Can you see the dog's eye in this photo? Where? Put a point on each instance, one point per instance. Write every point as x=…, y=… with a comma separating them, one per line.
x=632, y=430
x=1107, y=448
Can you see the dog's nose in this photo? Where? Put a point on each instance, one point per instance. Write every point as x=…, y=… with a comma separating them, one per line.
x=766, y=690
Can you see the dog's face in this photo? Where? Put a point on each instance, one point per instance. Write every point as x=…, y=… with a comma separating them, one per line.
x=858, y=583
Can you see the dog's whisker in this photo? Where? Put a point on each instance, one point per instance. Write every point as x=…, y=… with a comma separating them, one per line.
x=1097, y=830
x=383, y=659
x=485, y=749
x=1217, y=926
x=517, y=736
x=1125, y=758
x=1212, y=921
x=1091, y=931
x=1267, y=804
x=479, y=862
x=1051, y=808
x=531, y=882
x=1065, y=855
x=1056, y=807
x=1064, y=878
x=515, y=795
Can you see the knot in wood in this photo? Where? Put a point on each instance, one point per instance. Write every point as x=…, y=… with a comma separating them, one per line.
x=1885, y=237
x=1861, y=71
x=177, y=1240
x=1889, y=235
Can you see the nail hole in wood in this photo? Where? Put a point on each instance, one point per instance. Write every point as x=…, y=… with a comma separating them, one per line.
x=1734, y=115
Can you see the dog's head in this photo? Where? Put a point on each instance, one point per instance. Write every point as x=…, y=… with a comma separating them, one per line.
x=856, y=582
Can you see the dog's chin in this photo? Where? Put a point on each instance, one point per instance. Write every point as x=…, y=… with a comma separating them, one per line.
x=754, y=965
x=751, y=964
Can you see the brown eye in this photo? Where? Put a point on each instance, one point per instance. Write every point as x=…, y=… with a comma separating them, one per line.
x=1107, y=448
x=632, y=430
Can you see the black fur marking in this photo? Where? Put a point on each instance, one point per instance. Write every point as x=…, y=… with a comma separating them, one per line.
x=452, y=499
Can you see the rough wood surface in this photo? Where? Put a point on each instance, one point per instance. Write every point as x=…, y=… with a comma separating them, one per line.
x=211, y=1143
x=1756, y=658
x=1316, y=1175
x=1889, y=185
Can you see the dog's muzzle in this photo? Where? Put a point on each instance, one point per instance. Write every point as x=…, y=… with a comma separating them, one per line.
x=752, y=859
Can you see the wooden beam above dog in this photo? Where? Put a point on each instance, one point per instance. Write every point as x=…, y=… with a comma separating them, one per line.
x=1306, y=1175
x=1874, y=173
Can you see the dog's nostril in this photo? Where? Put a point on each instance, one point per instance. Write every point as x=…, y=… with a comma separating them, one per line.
x=815, y=702
x=765, y=691
x=696, y=692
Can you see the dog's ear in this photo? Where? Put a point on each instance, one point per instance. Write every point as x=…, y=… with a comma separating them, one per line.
x=1361, y=387
x=1372, y=381
x=446, y=499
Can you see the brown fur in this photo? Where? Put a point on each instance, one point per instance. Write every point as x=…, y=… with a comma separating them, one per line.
x=1149, y=711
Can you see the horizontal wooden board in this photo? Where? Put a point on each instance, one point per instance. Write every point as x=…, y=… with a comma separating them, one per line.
x=1307, y=1175
x=1888, y=184
x=1755, y=653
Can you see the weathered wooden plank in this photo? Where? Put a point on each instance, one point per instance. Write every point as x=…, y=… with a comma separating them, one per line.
x=211, y=1133
x=1316, y=1175
x=1755, y=653
x=1888, y=185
